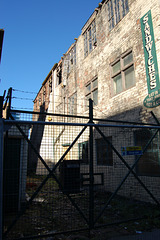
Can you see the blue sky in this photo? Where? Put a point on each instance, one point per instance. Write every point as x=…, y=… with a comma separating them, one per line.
x=37, y=33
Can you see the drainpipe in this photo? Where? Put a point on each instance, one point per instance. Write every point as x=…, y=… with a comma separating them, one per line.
x=91, y=170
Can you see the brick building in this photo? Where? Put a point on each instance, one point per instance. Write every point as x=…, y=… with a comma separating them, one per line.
x=115, y=62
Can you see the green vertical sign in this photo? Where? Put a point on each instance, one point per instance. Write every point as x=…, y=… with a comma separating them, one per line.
x=152, y=75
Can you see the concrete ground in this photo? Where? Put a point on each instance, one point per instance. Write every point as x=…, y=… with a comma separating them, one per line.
x=154, y=235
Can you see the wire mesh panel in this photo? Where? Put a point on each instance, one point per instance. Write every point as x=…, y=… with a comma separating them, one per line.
x=128, y=158
x=45, y=171
x=69, y=174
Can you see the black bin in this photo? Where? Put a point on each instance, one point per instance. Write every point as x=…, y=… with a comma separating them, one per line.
x=70, y=176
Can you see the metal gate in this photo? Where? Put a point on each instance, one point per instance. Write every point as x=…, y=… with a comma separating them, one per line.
x=78, y=174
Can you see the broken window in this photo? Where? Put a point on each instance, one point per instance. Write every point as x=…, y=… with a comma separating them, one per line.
x=69, y=61
x=59, y=76
x=117, y=9
x=90, y=39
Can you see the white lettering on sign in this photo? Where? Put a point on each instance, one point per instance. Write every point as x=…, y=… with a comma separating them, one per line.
x=148, y=46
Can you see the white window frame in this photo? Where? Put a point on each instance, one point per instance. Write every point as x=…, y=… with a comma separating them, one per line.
x=122, y=71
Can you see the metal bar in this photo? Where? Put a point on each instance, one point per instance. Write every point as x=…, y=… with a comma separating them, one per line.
x=1, y=177
x=29, y=142
x=9, y=104
x=11, y=122
x=50, y=114
x=155, y=118
x=7, y=97
x=10, y=98
x=91, y=173
x=82, y=117
x=130, y=171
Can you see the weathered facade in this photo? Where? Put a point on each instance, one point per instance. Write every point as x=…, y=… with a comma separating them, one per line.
x=44, y=96
x=107, y=63
x=104, y=63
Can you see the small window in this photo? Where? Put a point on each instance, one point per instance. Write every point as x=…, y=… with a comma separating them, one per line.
x=83, y=152
x=149, y=163
x=123, y=75
x=104, y=152
x=117, y=9
x=90, y=39
x=69, y=60
x=72, y=104
x=92, y=92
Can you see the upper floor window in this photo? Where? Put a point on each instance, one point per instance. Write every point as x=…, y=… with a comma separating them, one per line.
x=92, y=92
x=90, y=39
x=69, y=61
x=59, y=76
x=117, y=9
x=73, y=56
x=123, y=76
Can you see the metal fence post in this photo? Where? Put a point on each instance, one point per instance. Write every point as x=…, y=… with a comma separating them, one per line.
x=91, y=190
x=1, y=177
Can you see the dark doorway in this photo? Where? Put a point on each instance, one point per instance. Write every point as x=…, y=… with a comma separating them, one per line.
x=11, y=174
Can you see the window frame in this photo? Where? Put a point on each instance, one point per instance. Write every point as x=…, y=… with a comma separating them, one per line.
x=59, y=76
x=107, y=161
x=90, y=38
x=117, y=9
x=69, y=60
x=86, y=158
x=92, y=90
x=122, y=71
